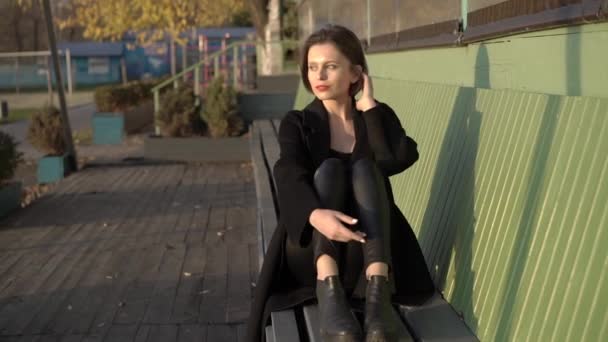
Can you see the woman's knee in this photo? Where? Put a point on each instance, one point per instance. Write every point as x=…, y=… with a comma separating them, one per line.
x=330, y=169
x=330, y=182
x=368, y=184
x=366, y=168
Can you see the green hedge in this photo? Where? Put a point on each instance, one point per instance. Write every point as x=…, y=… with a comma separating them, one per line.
x=117, y=98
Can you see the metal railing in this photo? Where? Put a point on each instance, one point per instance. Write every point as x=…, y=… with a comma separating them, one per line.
x=33, y=68
x=224, y=61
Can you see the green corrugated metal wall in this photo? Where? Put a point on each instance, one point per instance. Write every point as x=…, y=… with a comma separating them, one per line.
x=509, y=202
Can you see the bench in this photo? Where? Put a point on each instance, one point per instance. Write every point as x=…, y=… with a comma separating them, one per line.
x=433, y=320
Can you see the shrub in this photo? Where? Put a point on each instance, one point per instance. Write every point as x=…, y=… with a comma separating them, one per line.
x=177, y=116
x=45, y=131
x=220, y=110
x=111, y=98
x=120, y=97
x=9, y=157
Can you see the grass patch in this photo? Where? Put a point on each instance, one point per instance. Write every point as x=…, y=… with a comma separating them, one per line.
x=19, y=114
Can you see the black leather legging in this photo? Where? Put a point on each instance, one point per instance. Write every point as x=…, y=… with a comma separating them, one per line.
x=359, y=191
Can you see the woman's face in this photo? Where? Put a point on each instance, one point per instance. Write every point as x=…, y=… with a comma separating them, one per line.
x=330, y=73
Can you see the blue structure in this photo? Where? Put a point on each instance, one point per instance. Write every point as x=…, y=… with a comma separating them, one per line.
x=150, y=61
x=108, y=128
x=155, y=60
x=94, y=63
x=97, y=63
x=24, y=75
x=51, y=169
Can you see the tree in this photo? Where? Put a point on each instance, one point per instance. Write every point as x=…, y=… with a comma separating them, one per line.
x=151, y=20
x=266, y=16
x=290, y=20
x=17, y=15
x=22, y=26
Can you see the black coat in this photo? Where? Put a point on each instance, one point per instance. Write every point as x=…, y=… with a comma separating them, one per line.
x=304, y=139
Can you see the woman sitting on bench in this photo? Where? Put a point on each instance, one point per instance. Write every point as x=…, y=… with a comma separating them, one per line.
x=340, y=235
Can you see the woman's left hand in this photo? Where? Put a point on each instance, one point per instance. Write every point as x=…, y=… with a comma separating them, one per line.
x=366, y=102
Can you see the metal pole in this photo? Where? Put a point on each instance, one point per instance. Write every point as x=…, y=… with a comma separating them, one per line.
x=207, y=72
x=311, y=23
x=123, y=70
x=49, y=82
x=235, y=65
x=68, y=61
x=17, y=74
x=396, y=6
x=464, y=12
x=223, y=65
x=67, y=132
x=369, y=25
x=185, y=60
x=216, y=66
x=243, y=71
x=197, y=82
x=200, y=48
x=156, y=110
x=172, y=47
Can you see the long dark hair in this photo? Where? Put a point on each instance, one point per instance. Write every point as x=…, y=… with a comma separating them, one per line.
x=346, y=42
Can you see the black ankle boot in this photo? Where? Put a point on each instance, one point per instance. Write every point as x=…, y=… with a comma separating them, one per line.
x=338, y=323
x=381, y=321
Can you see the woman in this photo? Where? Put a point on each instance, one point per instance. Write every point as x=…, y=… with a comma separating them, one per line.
x=340, y=235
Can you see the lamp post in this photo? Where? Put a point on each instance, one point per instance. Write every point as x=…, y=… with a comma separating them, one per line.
x=67, y=132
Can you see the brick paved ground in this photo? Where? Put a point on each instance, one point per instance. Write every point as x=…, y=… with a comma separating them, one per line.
x=132, y=253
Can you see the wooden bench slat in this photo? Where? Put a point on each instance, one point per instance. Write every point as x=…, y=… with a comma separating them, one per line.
x=284, y=326
x=436, y=321
x=276, y=123
x=311, y=315
x=269, y=222
x=266, y=219
x=269, y=140
x=269, y=334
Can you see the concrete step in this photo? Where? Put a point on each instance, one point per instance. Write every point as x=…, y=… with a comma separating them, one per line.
x=255, y=106
x=284, y=83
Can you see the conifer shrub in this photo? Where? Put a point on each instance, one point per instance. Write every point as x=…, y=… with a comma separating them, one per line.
x=45, y=131
x=120, y=97
x=9, y=157
x=178, y=114
x=220, y=110
x=113, y=98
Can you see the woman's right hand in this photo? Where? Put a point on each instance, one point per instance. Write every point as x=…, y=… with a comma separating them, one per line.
x=329, y=223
